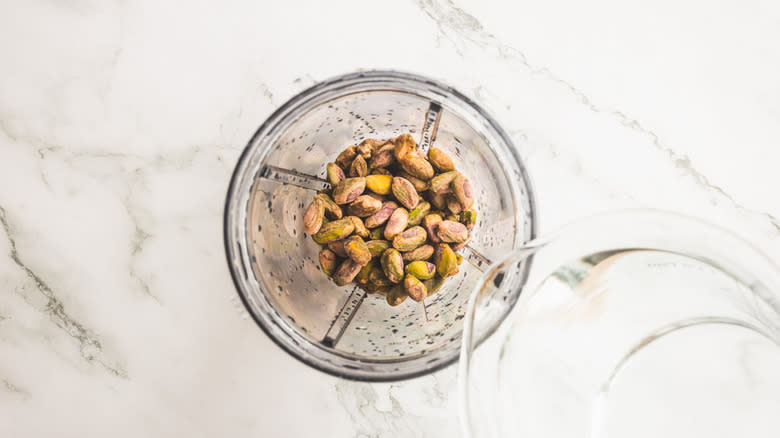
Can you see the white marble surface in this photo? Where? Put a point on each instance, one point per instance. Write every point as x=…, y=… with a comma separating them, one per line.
x=120, y=123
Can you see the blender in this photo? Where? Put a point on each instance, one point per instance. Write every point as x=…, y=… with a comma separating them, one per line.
x=341, y=330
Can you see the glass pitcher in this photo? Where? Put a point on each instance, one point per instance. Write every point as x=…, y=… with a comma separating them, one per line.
x=635, y=323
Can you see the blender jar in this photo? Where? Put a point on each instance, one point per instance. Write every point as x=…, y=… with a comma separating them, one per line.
x=274, y=264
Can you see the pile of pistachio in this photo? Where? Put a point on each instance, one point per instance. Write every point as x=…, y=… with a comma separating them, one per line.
x=390, y=212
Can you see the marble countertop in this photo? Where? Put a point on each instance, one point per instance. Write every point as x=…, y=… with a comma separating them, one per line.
x=120, y=123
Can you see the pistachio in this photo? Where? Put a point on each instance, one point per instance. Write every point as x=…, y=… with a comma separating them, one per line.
x=441, y=161
x=346, y=156
x=414, y=288
x=461, y=245
x=382, y=215
x=416, y=153
x=451, y=217
x=423, y=252
x=418, y=213
x=312, y=218
x=373, y=144
x=417, y=166
x=421, y=269
x=395, y=296
x=404, y=192
x=348, y=190
x=468, y=218
x=331, y=208
x=362, y=276
x=397, y=223
x=410, y=239
x=445, y=260
x=346, y=272
x=377, y=247
x=450, y=231
x=383, y=157
x=377, y=233
x=360, y=229
x=431, y=222
x=454, y=206
x=335, y=173
x=335, y=230
x=379, y=184
x=328, y=261
x=377, y=278
x=357, y=250
x=433, y=285
x=392, y=265
x=464, y=193
x=418, y=184
x=458, y=258
x=359, y=167
x=438, y=200
x=364, y=206
x=367, y=147
x=441, y=183
x=404, y=144
x=337, y=247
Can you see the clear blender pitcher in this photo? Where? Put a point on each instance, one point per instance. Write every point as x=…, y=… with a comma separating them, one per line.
x=547, y=329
